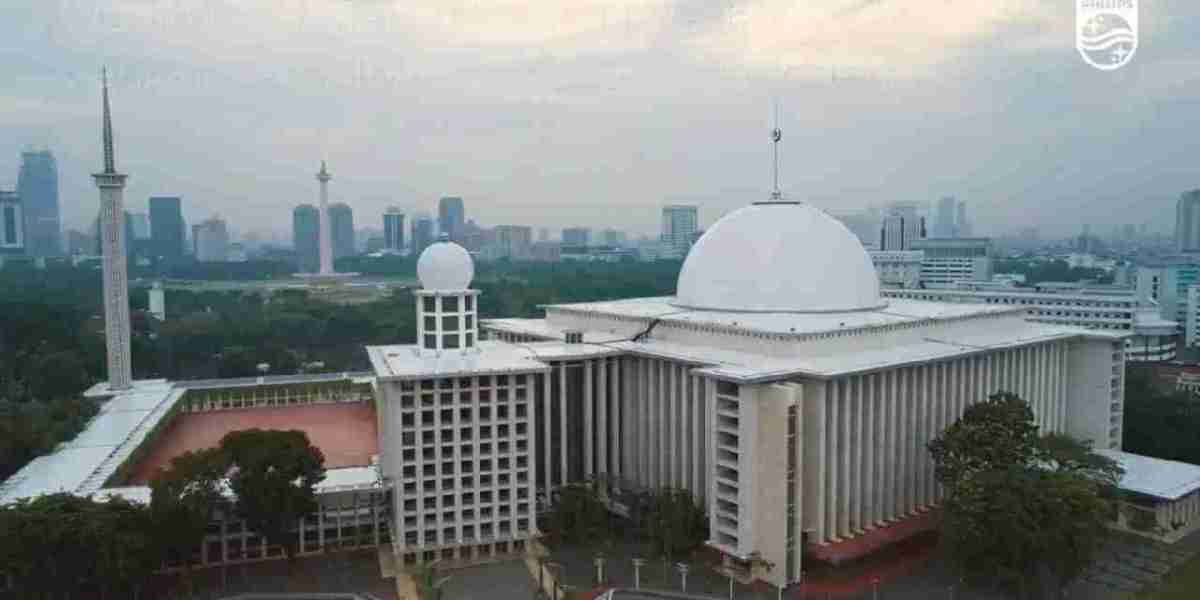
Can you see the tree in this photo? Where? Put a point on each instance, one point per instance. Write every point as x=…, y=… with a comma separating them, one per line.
x=184, y=499
x=1029, y=513
x=674, y=522
x=578, y=515
x=274, y=476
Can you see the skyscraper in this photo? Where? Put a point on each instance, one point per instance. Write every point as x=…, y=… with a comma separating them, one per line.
x=116, y=278
x=211, y=241
x=422, y=234
x=451, y=217
x=393, y=230
x=305, y=238
x=341, y=230
x=166, y=227
x=12, y=224
x=679, y=223
x=901, y=227
x=37, y=185
x=1187, y=222
x=963, y=225
x=513, y=242
x=947, y=220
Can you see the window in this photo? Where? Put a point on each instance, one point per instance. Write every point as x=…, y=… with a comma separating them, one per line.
x=450, y=323
x=430, y=342
x=430, y=303
x=430, y=323
x=469, y=303
x=450, y=341
x=450, y=304
x=469, y=341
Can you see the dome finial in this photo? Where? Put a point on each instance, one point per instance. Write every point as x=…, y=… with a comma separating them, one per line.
x=776, y=137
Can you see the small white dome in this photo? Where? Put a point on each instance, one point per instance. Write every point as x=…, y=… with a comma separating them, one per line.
x=778, y=257
x=445, y=266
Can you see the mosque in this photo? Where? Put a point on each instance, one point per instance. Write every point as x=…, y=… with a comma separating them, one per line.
x=777, y=386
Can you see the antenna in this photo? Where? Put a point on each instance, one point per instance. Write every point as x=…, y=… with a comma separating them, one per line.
x=776, y=137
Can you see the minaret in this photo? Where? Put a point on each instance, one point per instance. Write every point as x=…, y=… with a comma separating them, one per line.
x=116, y=279
x=325, y=242
x=446, y=303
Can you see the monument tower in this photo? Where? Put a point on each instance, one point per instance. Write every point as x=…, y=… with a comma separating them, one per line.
x=116, y=278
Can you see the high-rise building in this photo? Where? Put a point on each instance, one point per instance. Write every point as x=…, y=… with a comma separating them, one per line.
x=612, y=238
x=37, y=185
x=514, y=242
x=964, y=225
x=576, y=236
x=1187, y=222
x=140, y=223
x=451, y=217
x=166, y=227
x=210, y=241
x=393, y=230
x=80, y=243
x=947, y=261
x=422, y=234
x=305, y=238
x=679, y=224
x=12, y=224
x=901, y=227
x=341, y=230
x=946, y=225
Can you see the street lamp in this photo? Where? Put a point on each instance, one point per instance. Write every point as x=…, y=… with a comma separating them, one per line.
x=637, y=572
x=683, y=571
x=599, y=562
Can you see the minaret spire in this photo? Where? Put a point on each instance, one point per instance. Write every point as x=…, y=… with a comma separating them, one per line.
x=109, y=159
x=116, y=276
x=776, y=137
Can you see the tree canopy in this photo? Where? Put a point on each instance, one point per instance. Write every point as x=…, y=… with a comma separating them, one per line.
x=274, y=476
x=1024, y=511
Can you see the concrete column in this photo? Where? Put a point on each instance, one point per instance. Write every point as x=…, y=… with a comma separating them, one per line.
x=547, y=451
x=698, y=434
x=602, y=463
x=589, y=435
x=870, y=444
x=671, y=421
x=645, y=373
x=660, y=425
x=710, y=431
x=840, y=495
x=686, y=432
x=564, y=403
x=929, y=404
x=616, y=426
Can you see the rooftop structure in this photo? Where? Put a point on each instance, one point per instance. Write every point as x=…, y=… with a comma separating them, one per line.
x=116, y=278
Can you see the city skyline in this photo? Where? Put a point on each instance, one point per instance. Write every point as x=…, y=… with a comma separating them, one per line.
x=534, y=127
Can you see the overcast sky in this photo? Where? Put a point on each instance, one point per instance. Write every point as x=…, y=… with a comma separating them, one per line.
x=564, y=112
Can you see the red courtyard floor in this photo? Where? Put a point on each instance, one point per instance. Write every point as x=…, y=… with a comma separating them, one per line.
x=345, y=433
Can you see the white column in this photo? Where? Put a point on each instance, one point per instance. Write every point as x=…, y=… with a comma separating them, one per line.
x=617, y=427
x=589, y=436
x=660, y=422
x=856, y=485
x=927, y=414
x=645, y=450
x=686, y=432
x=844, y=440
x=870, y=444
x=710, y=408
x=671, y=453
x=564, y=401
x=602, y=418
x=698, y=433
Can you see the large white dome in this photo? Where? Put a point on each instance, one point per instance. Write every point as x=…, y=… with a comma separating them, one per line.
x=445, y=266
x=778, y=257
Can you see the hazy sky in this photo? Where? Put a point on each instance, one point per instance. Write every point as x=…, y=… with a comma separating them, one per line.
x=564, y=112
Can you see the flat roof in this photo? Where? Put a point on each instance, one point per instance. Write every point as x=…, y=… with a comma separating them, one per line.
x=411, y=362
x=897, y=311
x=1155, y=477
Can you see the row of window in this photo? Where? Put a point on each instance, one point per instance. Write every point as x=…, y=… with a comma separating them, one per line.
x=466, y=414
x=484, y=500
x=448, y=399
x=450, y=323
x=429, y=437
x=449, y=303
x=482, y=466
x=462, y=383
x=430, y=453
x=450, y=534
x=447, y=484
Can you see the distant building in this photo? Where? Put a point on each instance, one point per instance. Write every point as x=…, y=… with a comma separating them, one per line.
x=37, y=186
x=80, y=243
x=1187, y=222
x=901, y=227
x=237, y=253
x=898, y=268
x=514, y=242
x=947, y=261
x=158, y=302
x=544, y=234
x=679, y=225
x=167, y=227
x=1167, y=284
x=452, y=216
x=946, y=225
x=422, y=234
x=12, y=224
x=964, y=224
x=613, y=238
x=306, y=238
x=546, y=251
x=576, y=236
x=140, y=223
x=393, y=230
x=341, y=224
x=210, y=241
x=863, y=224
x=1151, y=338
